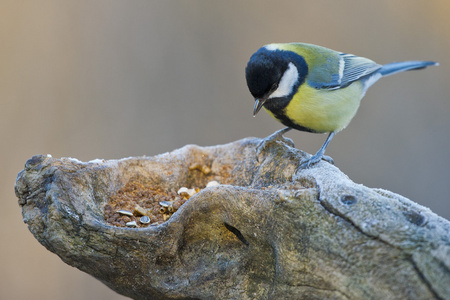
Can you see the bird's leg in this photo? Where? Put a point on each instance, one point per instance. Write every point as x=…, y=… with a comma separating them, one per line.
x=272, y=138
x=319, y=155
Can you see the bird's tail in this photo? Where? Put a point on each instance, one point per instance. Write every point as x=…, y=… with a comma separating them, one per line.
x=397, y=67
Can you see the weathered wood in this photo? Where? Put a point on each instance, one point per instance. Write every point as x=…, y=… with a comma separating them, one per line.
x=265, y=233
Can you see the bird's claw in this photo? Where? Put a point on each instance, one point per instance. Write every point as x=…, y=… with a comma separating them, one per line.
x=309, y=162
x=276, y=136
x=328, y=159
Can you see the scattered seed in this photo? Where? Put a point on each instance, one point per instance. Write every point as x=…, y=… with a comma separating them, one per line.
x=131, y=224
x=136, y=200
x=139, y=210
x=212, y=183
x=202, y=168
x=125, y=212
x=164, y=203
x=185, y=192
x=144, y=220
x=206, y=170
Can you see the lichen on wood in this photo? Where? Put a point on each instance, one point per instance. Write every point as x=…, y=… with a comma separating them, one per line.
x=265, y=232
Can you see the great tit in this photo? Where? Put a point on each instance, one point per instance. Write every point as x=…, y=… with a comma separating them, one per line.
x=313, y=88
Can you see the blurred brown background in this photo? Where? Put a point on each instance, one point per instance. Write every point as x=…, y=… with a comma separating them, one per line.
x=111, y=79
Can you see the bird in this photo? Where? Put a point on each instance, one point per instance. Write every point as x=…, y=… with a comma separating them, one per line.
x=312, y=88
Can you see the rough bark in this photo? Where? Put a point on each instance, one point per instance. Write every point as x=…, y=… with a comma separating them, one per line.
x=264, y=233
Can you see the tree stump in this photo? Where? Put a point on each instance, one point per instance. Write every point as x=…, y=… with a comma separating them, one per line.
x=265, y=232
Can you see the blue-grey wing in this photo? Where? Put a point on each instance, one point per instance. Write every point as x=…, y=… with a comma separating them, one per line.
x=341, y=72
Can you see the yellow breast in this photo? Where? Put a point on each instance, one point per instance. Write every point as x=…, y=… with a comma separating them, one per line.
x=324, y=110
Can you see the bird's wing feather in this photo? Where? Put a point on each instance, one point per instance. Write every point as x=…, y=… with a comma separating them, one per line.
x=341, y=71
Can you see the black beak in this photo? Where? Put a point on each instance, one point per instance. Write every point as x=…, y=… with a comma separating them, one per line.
x=258, y=105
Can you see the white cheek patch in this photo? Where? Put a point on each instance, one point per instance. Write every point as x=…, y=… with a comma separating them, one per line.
x=287, y=82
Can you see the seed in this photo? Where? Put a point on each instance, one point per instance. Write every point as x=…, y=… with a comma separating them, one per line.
x=202, y=168
x=164, y=203
x=144, y=220
x=206, y=170
x=125, y=212
x=212, y=183
x=131, y=224
x=185, y=192
x=182, y=190
x=139, y=210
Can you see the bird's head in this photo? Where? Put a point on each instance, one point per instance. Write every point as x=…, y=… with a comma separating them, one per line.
x=272, y=74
